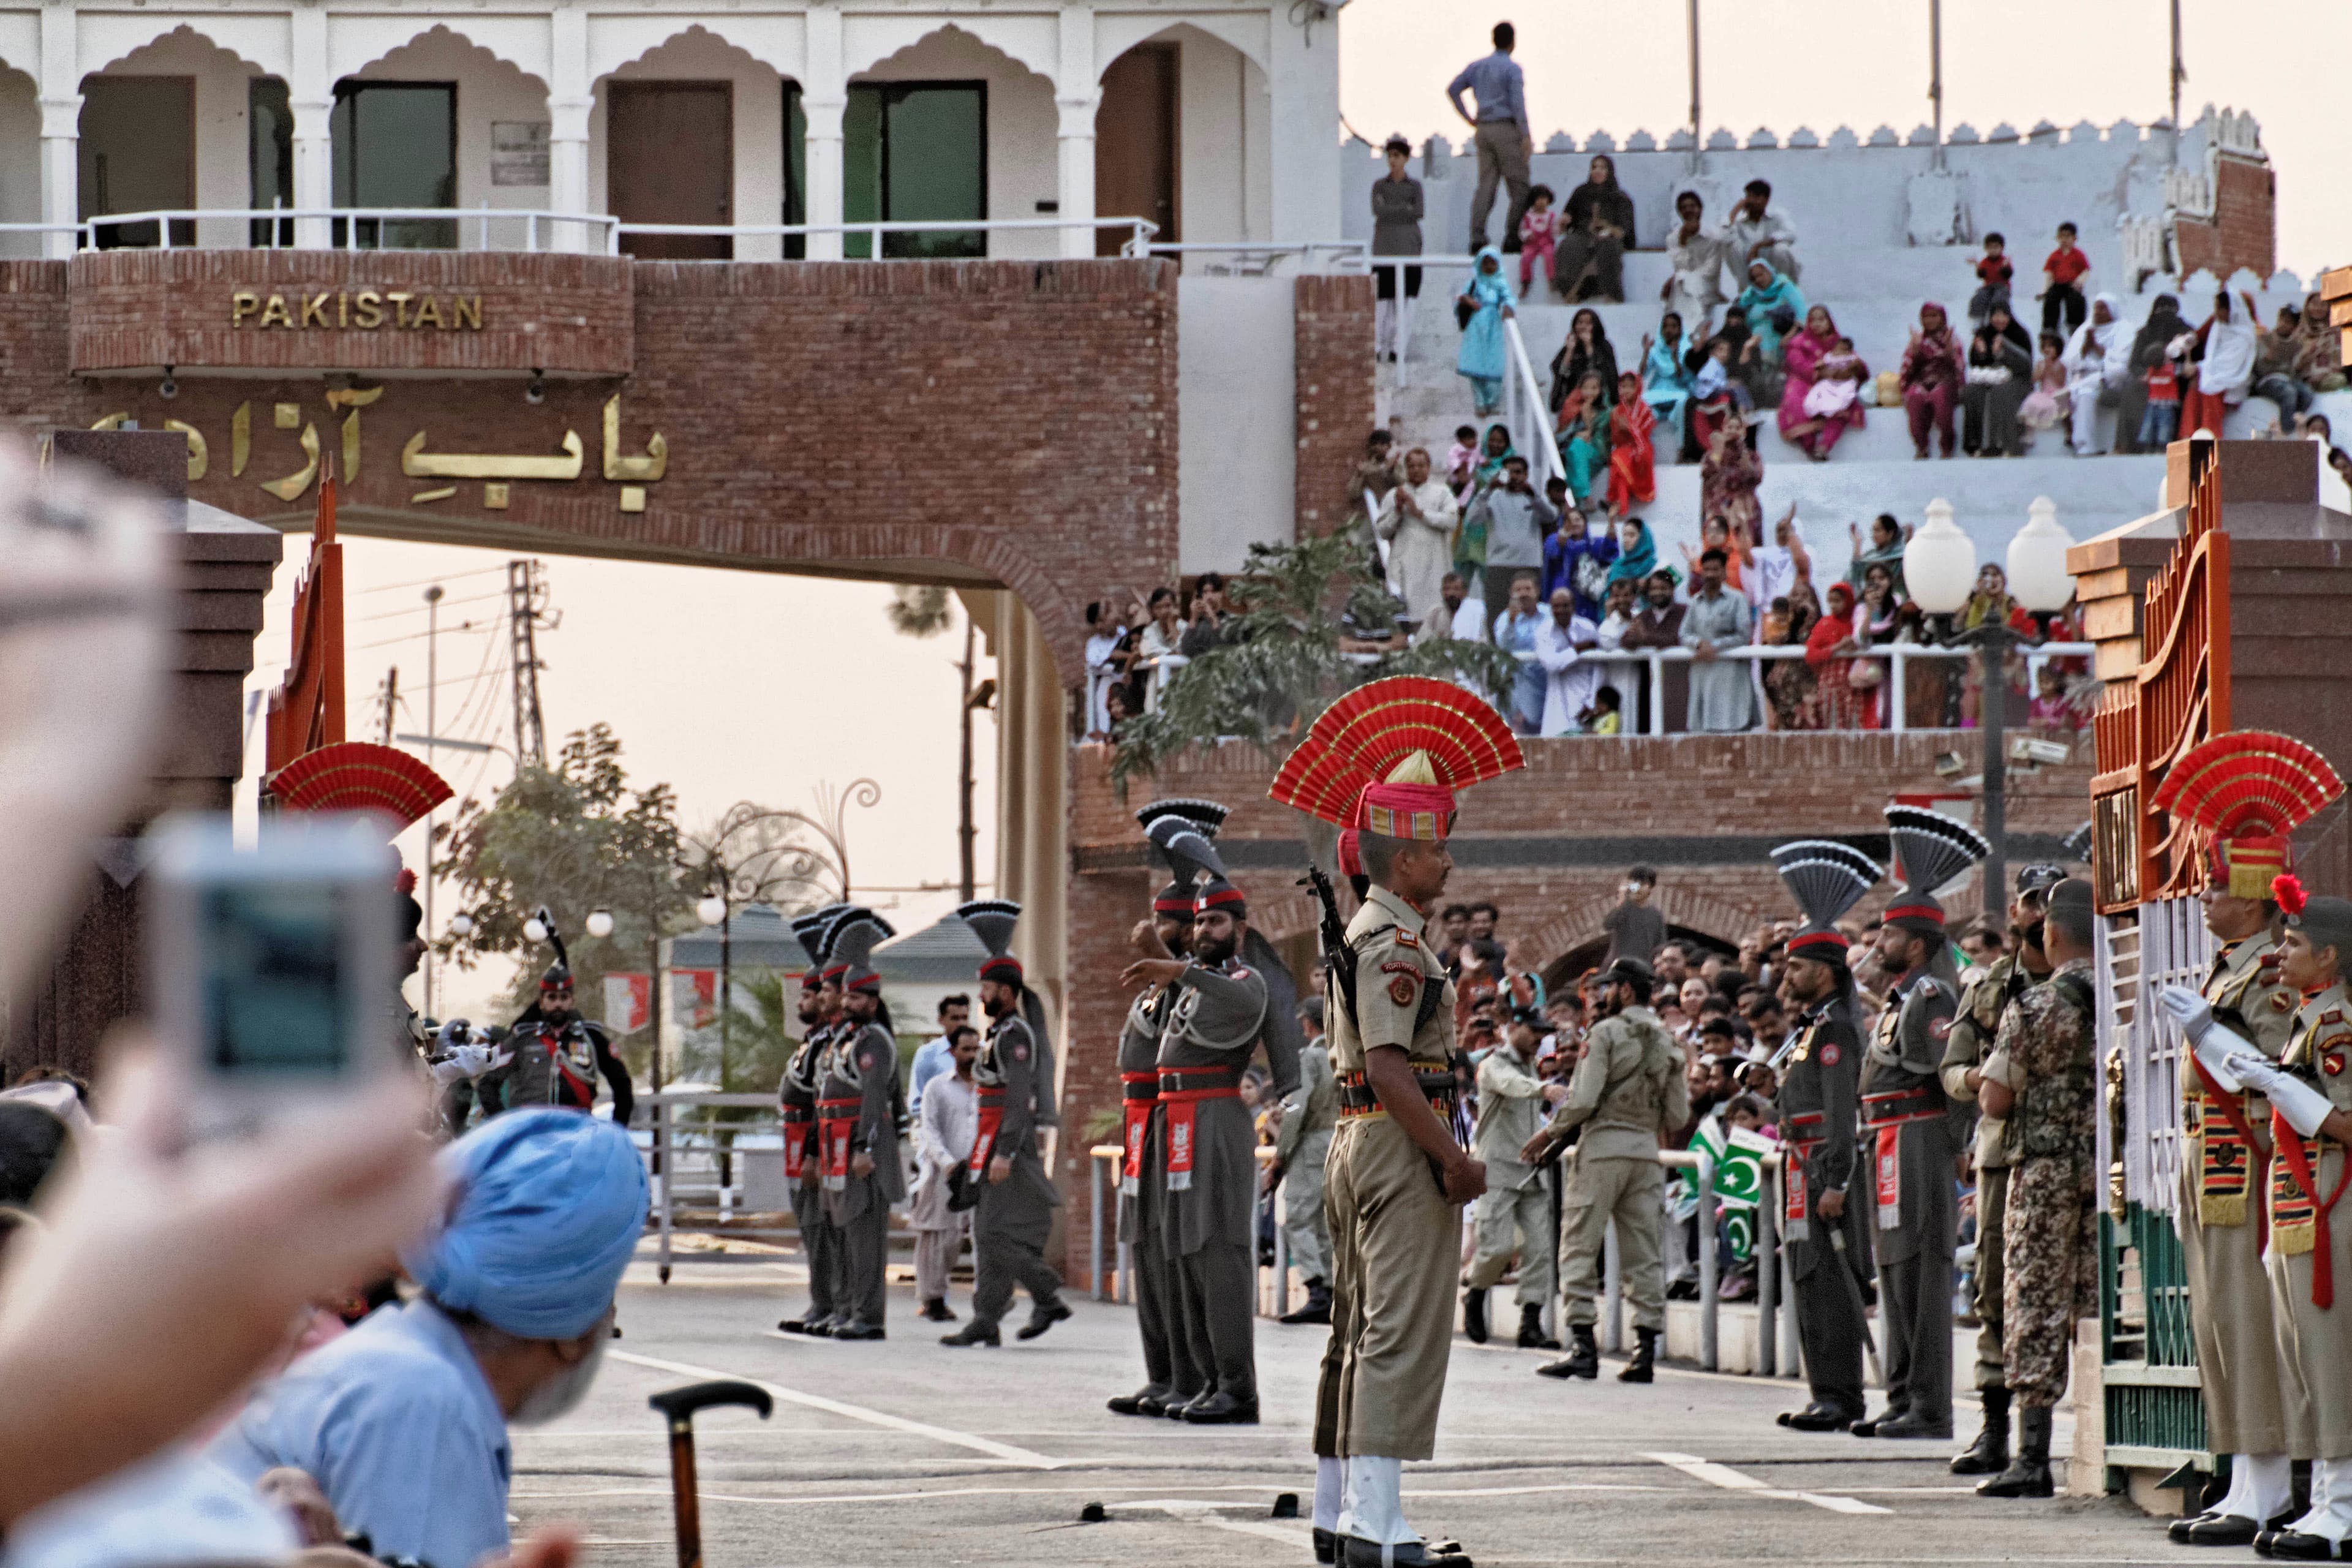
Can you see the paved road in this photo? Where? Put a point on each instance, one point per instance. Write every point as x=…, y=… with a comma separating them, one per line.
x=906, y=1452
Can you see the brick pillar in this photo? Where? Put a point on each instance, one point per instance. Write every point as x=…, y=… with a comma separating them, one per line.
x=1331, y=331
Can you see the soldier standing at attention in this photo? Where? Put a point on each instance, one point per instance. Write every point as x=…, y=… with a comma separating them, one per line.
x=1016, y=1196
x=2042, y=1079
x=820, y=1017
x=1907, y=1121
x=1223, y=1009
x=1302, y=1140
x=857, y=1127
x=1386, y=759
x=1173, y=1375
x=1822, y=1225
x=1515, y=1212
x=2227, y=788
x=1974, y=1029
x=1628, y=1094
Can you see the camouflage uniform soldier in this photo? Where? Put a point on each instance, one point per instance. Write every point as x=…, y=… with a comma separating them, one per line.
x=2042, y=1079
x=1974, y=1031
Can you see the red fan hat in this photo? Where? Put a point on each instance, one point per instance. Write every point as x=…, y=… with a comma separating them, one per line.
x=1388, y=757
x=2247, y=791
x=360, y=775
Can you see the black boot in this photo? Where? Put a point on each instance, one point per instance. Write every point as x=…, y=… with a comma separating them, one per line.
x=1989, y=1455
x=1583, y=1357
x=1149, y=1400
x=1531, y=1329
x=2028, y=1474
x=1645, y=1356
x=1473, y=1315
x=1222, y=1409
x=1043, y=1316
x=977, y=1332
x=937, y=1311
x=1318, y=1305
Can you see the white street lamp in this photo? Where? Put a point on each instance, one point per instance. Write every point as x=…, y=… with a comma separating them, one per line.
x=1939, y=565
x=2037, y=559
x=599, y=923
x=711, y=910
x=534, y=930
x=461, y=925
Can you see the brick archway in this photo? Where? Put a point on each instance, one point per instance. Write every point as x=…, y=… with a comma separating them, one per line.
x=1720, y=918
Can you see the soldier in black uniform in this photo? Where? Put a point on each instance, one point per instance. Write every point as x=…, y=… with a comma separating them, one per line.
x=1006, y=1175
x=857, y=1129
x=1174, y=1375
x=819, y=1007
x=1909, y=1126
x=1823, y=1224
x=554, y=1055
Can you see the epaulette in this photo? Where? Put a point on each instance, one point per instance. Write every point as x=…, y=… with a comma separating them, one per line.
x=1405, y=938
x=2333, y=1016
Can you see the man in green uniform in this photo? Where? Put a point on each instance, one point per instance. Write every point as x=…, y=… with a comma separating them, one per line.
x=1514, y=1213
x=857, y=1128
x=1823, y=1226
x=1974, y=1029
x=1908, y=1127
x=1627, y=1095
x=1384, y=761
x=2042, y=1080
x=1016, y=1197
x=820, y=1017
x=1302, y=1141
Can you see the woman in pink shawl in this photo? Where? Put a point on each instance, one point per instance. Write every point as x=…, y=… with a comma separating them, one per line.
x=1802, y=353
x=1931, y=378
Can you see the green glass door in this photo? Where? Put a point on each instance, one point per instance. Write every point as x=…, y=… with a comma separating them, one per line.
x=915, y=152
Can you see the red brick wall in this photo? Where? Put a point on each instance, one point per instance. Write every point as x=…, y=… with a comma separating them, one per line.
x=2244, y=230
x=1331, y=329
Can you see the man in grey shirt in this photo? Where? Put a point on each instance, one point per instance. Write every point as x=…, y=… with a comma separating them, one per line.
x=1499, y=131
x=1517, y=520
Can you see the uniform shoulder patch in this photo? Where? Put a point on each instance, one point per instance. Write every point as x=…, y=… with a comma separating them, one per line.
x=1405, y=989
x=2281, y=1002
x=1241, y=971
x=1939, y=1027
x=2333, y=1016
x=2332, y=1058
x=1830, y=1054
x=1406, y=939
x=1394, y=966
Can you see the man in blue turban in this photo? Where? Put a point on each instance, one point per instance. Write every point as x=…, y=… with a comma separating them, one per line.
x=402, y=1422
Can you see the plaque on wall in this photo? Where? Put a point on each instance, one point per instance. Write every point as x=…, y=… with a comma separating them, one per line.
x=518, y=151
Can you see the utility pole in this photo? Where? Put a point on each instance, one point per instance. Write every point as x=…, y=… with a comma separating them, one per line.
x=389, y=696
x=432, y=729
x=966, y=831
x=1936, y=75
x=1699, y=132
x=2180, y=74
x=523, y=591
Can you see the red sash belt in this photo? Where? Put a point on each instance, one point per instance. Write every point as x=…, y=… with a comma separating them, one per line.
x=1183, y=1105
x=797, y=1119
x=1138, y=1093
x=2213, y=1152
x=1890, y=1171
x=2298, y=1162
x=836, y=1122
x=984, y=1143
x=1796, y=1212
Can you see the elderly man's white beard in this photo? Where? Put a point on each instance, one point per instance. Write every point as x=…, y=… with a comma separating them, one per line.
x=554, y=1400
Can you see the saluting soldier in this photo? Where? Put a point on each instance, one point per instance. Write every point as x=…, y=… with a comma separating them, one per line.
x=858, y=1129
x=1302, y=1144
x=1015, y=1196
x=1824, y=1227
x=1385, y=759
x=1627, y=1095
x=2042, y=1080
x=2310, y=1257
x=1974, y=1029
x=2228, y=788
x=819, y=1010
x=1908, y=1122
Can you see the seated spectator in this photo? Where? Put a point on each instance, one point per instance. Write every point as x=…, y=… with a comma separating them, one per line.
x=1586, y=350
x=2320, y=365
x=1514, y=634
x=1667, y=377
x=1694, y=292
x=1820, y=398
x=1596, y=231
x=2127, y=358
x=1993, y=270
x=1931, y=378
x=1658, y=624
x=1632, y=455
x=2044, y=407
x=2278, y=363
x=1753, y=232
x=2000, y=373
x=1562, y=641
x=1417, y=519
x=2062, y=284
x=2224, y=352
x=402, y=1422
x=1772, y=306
x=1718, y=397
x=1729, y=477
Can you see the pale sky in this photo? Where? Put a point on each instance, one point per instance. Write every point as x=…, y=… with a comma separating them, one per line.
x=740, y=686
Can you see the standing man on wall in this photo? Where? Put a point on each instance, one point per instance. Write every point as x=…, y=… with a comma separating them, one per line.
x=1823, y=1224
x=2042, y=1079
x=1907, y=1123
x=1499, y=131
x=1629, y=1094
x=1974, y=1031
x=858, y=1127
x=1302, y=1141
x=1015, y=1198
x=1385, y=760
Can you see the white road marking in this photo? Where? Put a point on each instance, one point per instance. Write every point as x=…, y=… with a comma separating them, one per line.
x=854, y=1412
x=1733, y=1480
x=1196, y=1512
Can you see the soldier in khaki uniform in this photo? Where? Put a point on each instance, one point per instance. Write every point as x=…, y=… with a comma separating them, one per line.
x=2223, y=788
x=1384, y=761
x=1302, y=1143
x=1974, y=1029
x=1628, y=1095
x=1514, y=1214
x=2309, y=1259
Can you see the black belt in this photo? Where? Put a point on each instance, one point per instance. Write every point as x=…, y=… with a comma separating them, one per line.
x=1900, y=1105
x=1357, y=1097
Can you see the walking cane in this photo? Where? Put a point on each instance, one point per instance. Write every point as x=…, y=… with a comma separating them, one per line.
x=678, y=1406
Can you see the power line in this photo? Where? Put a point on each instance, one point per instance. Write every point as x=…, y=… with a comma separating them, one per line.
x=419, y=609
x=429, y=582
x=420, y=637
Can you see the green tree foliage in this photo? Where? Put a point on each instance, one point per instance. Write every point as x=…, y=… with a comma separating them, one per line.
x=1311, y=622
x=576, y=837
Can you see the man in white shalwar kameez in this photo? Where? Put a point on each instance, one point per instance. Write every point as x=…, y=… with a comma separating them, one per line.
x=1564, y=643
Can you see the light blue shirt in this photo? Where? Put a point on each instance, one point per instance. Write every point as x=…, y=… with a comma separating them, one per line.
x=932, y=1057
x=1500, y=88
x=397, y=1426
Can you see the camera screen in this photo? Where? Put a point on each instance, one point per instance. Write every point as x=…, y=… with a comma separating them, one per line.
x=273, y=977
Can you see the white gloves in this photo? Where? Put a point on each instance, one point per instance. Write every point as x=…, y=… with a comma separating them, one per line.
x=468, y=1062
x=2188, y=1009
x=2304, y=1107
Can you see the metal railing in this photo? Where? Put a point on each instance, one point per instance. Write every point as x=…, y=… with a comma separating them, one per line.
x=700, y=1161
x=1527, y=412
x=1254, y=258
x=1139, y=230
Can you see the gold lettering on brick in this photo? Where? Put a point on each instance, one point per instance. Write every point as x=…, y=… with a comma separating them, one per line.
x=276, y=314
x=399, y=306
x=466, y=310
x=428, y=310
x=314, y=311
x=369, y=313
x=241, y=304
x=417, y=313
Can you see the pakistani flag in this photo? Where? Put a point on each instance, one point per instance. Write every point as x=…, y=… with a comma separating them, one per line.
x=1738, y=1154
